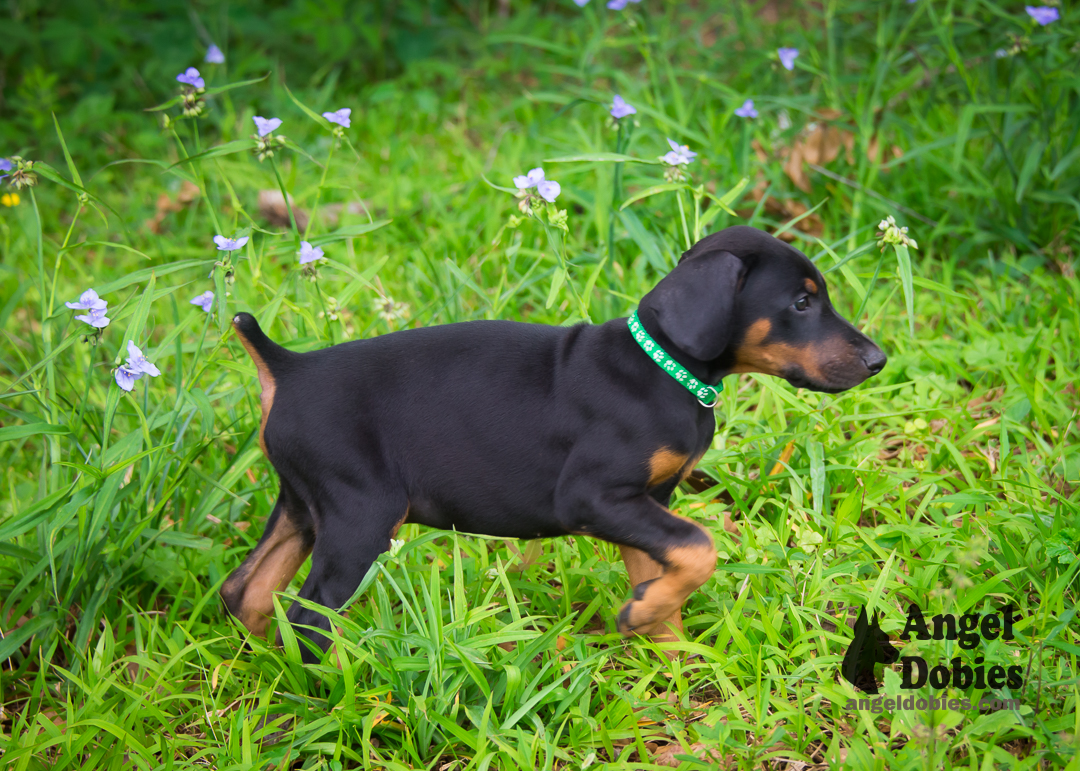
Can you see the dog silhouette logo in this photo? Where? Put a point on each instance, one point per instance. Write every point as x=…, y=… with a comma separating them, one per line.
x=869, y=646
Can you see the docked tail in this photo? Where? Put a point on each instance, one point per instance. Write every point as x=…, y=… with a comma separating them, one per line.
x=266, y=354
x=270, y=359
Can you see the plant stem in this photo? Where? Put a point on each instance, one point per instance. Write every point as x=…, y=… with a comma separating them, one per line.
x=318, y=193
x=197, y=171
x=288, y=203
x=49, y=397
x=682, y=216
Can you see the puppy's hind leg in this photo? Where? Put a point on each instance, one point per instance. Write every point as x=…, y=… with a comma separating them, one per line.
x=355, y=527
x=271, y=565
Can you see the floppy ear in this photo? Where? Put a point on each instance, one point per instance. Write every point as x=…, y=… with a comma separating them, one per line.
x=695, y=303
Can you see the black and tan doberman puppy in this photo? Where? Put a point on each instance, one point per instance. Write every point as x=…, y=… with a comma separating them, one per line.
x=529, y=431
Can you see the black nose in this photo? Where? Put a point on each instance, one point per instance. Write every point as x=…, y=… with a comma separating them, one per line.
x=874, y=360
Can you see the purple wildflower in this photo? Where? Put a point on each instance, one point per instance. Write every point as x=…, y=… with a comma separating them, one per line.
x=138, y=363
x=1043, y=14
x=214, y=55
x=531, y=179
x=620, y=109
x=230, y=244
x=618, y=5
x=126, y=377
x=6, y=165
x=787, y=57
x=548, y=190
x=680, y=155
x=95, y=317
x=309, y=253
x=340, y=117
x=204, y=301
x=266, y=125
x=747, y=110
x=191, y=77
x=88, y=300
x=581, y=3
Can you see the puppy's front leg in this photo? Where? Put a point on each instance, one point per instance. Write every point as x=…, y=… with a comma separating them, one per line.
x=620, y=512
x=641, y=568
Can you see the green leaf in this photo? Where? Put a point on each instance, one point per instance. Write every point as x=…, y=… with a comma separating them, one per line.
x=732, y=195
x=306, y=110
x=365, y=277
x=1069, y=159
x=7, y=433
x=556, y=284
x=138, y=321
x=816, y=452
x=644, y=239
x=498, y=187
x=53, y=175
x=208, y=92
x=14, y=638
x=795, y=221
x=743, y=568
x=145, y=273
x=229, y=148
x=903, y=260
x=298, y=149
x=349, y=231
x=654, y=190
x=105, y=245
x=526, y=40
x=723, y=203
x=1031, y=165
x=237, y=84
x=67, y=155
x=600, y=158
x=36, y=514
x=971, y=597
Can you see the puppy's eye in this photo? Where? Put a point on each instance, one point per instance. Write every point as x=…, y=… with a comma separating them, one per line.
x=802, y=303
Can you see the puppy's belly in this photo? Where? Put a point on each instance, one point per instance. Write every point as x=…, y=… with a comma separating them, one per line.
x=506, y=519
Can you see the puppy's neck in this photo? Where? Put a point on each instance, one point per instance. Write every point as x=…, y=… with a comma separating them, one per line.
x=711, y=372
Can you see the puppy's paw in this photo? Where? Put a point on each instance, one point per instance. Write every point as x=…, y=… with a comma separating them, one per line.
x=637, y=617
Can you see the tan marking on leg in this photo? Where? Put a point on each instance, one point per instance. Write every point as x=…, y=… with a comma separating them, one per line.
x=687, y=568
x=664, y=464
x=268, y=569
x=402, y=521
x=266, y=383
x=640, y=567
x=685, y=471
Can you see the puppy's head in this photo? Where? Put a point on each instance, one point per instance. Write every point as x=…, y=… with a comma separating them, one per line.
x=744, y=301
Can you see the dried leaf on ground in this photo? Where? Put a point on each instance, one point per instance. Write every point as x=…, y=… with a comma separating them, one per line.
x=668, y=754
x=272, y=208
x=166, y=205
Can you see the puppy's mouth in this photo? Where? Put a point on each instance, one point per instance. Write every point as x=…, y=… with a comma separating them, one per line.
x=801, y=381
x=836, y=380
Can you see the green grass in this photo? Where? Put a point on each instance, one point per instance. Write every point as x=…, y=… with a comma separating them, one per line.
x=950, y=480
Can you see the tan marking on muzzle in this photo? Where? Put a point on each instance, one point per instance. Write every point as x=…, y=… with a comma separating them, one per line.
x=756, y=355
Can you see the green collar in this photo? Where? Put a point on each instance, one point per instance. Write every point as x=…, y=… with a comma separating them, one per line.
x=701, y=391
